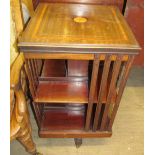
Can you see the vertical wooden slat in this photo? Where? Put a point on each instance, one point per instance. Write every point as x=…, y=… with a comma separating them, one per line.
x=121, y=89
x=120, y=74
x=33, y=71
x=115, y=73
x=32, y=87
x=102, y=90
x=36, y=66
x=37, y=112
x=92, y=90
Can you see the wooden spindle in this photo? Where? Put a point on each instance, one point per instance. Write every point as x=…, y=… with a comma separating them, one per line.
x=120, y=74
x=92, y=90
x=115, y=73
x=102, y=90
x=121, y=89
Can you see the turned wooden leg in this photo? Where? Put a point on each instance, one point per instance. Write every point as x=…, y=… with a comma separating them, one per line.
x=78, y=142
x=26, y=140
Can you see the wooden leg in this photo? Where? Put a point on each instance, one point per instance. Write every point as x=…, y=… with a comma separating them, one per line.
x=78, y=142
x=26, y=140
x=20, y=121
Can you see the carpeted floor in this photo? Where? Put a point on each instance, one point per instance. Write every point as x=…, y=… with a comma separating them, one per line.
x=127, y=138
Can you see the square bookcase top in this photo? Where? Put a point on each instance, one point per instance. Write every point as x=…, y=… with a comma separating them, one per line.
x=78, y=27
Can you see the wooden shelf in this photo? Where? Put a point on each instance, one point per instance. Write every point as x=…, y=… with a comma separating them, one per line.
x=66, y=92
x=67, y=120
x=63, y=117
x=55, y=87
x=62, y=92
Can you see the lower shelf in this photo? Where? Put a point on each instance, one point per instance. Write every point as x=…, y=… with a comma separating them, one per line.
x=68, y=120
x=63, y=117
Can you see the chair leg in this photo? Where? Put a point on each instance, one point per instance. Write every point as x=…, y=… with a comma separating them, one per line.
x=78, y=142
x=25, y=139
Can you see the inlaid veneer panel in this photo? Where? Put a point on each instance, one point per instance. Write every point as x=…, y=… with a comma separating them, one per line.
x=104, y=30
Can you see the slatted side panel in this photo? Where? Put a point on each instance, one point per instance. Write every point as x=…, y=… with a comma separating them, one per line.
x=30, y=77
x=102, y=90
x=112, y=88
x=33, y=68
x=123, y=80
x=92, y=90
x=114, y=75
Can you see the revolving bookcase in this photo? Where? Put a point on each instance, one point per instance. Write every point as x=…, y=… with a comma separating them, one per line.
x=77, y=66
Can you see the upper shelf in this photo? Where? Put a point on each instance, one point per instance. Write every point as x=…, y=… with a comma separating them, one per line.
x=66, y=92
x=75, y=28
x=56, y=87
x=62, y=92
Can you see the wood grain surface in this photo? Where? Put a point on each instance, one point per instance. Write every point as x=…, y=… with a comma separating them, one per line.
x=62, y=92
x=118, y=3
x=53, y=26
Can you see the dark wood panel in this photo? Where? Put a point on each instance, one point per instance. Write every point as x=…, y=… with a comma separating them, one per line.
x=77, y=68
x=54, y=68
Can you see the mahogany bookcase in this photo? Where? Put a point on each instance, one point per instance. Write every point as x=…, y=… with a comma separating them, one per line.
x=77, y=59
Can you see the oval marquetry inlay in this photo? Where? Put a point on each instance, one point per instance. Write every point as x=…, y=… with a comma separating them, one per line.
x=80, y=19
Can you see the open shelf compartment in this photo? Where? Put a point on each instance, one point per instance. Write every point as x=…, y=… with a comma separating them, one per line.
x=67, y=120
x=63, y=117
x=62, y=92
x=56, y=87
